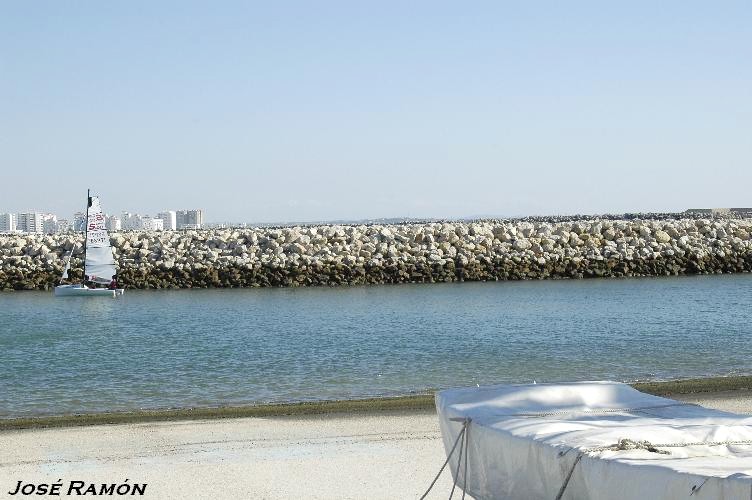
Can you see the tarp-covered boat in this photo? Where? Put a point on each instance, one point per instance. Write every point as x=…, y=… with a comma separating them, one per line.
x=592, y=440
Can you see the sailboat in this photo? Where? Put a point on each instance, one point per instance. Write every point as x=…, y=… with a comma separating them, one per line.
x=99, y=263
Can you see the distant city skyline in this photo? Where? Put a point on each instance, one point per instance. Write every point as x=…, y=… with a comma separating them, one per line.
x=269, y=112
x=52, y=223
x=171, y=220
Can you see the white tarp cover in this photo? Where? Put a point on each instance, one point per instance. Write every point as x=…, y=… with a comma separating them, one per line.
x=100, y=265
x=523, y=440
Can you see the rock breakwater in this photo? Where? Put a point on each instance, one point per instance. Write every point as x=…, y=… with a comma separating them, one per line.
x=398, y=253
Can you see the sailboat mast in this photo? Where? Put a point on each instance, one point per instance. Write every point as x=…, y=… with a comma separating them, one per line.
x=86, y=229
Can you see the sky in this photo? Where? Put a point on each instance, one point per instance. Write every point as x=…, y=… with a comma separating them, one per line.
x=307, y=111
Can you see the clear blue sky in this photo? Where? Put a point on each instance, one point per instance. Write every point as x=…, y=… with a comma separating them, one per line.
x=274, y=111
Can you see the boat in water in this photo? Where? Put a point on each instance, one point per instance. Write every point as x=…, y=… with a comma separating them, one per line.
x=591, y=440
x=100, y=273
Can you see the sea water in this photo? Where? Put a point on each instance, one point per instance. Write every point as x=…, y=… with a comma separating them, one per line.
x=189, y=348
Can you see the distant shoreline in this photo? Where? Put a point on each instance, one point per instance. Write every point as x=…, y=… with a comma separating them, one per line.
x=419, y=402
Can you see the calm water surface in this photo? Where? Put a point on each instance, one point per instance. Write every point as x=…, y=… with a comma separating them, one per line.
x=153, y=349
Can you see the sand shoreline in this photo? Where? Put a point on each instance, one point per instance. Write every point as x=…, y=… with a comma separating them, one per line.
x=399, y=403
x=367, y=454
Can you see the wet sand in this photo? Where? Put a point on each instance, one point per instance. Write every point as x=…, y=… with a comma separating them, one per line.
x=367, y=455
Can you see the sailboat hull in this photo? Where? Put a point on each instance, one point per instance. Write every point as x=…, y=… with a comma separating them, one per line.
x=84, y=291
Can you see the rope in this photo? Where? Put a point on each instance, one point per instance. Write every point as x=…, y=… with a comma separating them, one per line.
x=696, y=488
x=630, y=444
x=465, y=423
x=569, y=476
x=459, y=461
x=467, y=452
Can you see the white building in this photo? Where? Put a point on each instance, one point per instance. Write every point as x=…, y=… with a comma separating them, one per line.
x=30, y=222
x=7, y=223
x=136, y=222
x=63, y=226
x=79, y=222
x=113, y=223
x=189, y=219
x=151, y=224
x=49, y=223
x=131, y=222
x=169, y=220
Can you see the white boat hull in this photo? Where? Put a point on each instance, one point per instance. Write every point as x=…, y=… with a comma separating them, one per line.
x=592, y=441
x=84, y=291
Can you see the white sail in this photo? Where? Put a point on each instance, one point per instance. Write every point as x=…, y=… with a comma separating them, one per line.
x=100, y=264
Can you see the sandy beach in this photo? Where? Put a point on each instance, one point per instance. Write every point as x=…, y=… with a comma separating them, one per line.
x=373, y=455
x=378, y=455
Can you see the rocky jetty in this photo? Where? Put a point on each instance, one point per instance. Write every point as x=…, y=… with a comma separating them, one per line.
x=484, y=250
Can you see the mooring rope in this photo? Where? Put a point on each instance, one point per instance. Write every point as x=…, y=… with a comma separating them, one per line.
x=460, y=436
x=630, y=444
x=463, y=446
x=467, y=452
x=569, y=476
